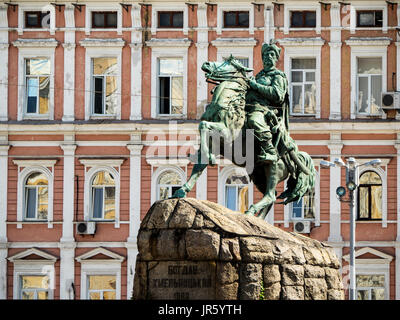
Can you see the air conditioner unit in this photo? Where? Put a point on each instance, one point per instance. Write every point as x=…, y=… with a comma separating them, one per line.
x=390, y=100
x=86, y=227
x=302, y=226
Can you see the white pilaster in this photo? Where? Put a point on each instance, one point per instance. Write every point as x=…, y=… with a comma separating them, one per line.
x=397, y=146
x=67, y=269
x=3, y=219
x=3, y=64
x=69, y=64
x=335, y=146
x=335, y=63
x=201, y=186
x=269, y=29
x=136, y=64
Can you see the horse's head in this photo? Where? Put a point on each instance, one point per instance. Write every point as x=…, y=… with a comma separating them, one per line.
x=226, y=70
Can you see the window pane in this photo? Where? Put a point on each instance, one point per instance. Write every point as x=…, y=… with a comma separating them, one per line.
x=111, y=95
x=297, y=76
x=244, y=62
x=109, y=210
x=32, y=19
x=376, y=202
x=164, y=19
x=297, y=19
x=102, y=282
x=109, y=295
x=36, y=178
x=309, y=101
x=378, y=294
x=42, y=202
x=308, y=203
x=98, y=203
x=309, y=63
x=177, y=95
x=177, y=20
x=243, y=198
x=230, y=197
x=31, y=203
x=164, y=95
x=244, y=19
x=174, y=189
x=32, y=95
x=297, y=99
x=376, y=87
x=98, y=19
x=98, y=95
x=111, y=19
x=170, y=177
x=363, y=203
x=42, y=295
x=28, y=295
x=310, y=19
x=362, y=295
x=94, y=296
x=375, y=280
x=37, y=66
x=163, y=193
x=103, y=178
x=298, y=209
x=171, y=67
x=237, y=179
x=35, y=282
x=370, y=177
x=105, y=66
x=362, y=94
x=44, y=89
x=366, y=19
x=369, y=65
x=229, y=19
x=310, y=76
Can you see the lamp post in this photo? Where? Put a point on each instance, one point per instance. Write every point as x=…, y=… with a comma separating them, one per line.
x=351, y=184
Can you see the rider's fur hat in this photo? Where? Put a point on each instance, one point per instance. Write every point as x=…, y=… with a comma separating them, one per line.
x=271, y=46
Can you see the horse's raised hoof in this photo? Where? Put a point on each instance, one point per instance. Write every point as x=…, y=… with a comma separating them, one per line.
x=180, y=193
x=251, y=211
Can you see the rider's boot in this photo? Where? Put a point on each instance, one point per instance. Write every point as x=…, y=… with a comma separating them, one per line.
x=268, y=152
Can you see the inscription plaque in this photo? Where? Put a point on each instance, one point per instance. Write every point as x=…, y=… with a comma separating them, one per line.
x=182, y=280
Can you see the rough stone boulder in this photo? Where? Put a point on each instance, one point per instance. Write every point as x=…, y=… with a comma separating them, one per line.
x=192, y=249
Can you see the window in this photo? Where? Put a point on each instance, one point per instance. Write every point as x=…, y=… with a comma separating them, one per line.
x=34, y=287
x=237, y=192
x=302, y=19
x=103, y=196
x=369, y=85
x=369, y=18
x=102, y=287
x=370, y=287
x=302, y=86
x=170, y=19
x=36, y=197
x=104, y=86
x=304, y=208
x=170, y=86
x=236, y=19
x=168, y=182
x=37, y=19
x=107, y=19
x=37, y=81
x=370, y=196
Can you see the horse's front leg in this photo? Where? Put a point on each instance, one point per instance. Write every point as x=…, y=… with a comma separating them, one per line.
x=269, y=197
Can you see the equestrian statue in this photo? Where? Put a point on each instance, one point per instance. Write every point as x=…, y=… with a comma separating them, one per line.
x=244, y=108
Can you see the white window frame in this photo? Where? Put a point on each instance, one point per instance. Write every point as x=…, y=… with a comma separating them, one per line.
x=373, y=266
x=354, y=7
x=306, y=6
x=302, y=48
x=93, y=267
x=40, y=6
x=225, y=169
x=31, y=49
x=32, y=267
x=167, y=48
x=93, y=176
x=159, y=7
x=25, y=169
x=102, y=48
x=366, y=48
x=232, y=6
x=92, y=167
x=104, y=7
x=155, y=177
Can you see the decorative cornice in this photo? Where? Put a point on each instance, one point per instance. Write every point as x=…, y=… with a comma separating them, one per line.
x=69, y=45
x=184, y=42
x=35, y=43
x=295, y=42
x=368, y=41
x=29, y=163
x=234, y=42
x=97, y=42
x=182, y=162
x=102, y=162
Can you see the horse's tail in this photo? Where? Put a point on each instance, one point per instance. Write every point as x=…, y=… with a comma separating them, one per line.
x=304, y=184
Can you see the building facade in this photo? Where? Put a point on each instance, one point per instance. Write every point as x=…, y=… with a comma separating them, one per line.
x=99, y=108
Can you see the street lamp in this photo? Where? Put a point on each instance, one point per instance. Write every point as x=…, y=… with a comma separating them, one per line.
x=351, y=184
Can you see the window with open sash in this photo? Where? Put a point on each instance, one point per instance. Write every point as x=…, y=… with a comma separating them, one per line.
x=170, y=19
x=34, y=287
x=369, y=18
x=237, y=192
x=102, y=287
x=103, y=196
x=36, y=197
x=168, y=182
x=303, y=86
x=370, y=196
x=370, y=287
x=105, y=19
x=104, y=86
x=369, y=86
x=37, y=81
x=236, y=19
x=37, y=19
x=170, y=86
x=303, y=19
